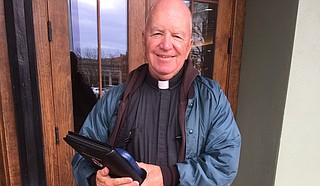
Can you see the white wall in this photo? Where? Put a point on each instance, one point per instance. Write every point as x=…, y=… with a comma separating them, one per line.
x=299, y=155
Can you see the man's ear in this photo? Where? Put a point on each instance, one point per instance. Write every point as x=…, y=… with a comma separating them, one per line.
x=189, y=48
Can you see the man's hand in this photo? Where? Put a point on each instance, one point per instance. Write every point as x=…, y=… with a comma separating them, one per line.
x=154, y=175
x=103, y=179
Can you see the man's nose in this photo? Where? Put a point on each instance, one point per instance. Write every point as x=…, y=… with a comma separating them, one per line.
x=166, y=43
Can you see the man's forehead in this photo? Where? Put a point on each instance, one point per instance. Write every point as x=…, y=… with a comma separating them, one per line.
x=173, y=29
x=167, y=4
x=175, y=18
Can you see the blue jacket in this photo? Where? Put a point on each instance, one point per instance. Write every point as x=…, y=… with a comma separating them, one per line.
x=212, y=137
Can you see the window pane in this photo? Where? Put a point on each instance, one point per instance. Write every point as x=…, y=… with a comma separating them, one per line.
x=204, y=20
x=113, y=40
x=84, y=43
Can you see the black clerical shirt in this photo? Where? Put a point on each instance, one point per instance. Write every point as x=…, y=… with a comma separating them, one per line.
x=153, y=114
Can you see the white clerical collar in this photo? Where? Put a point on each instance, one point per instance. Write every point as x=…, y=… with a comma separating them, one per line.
x=163, y=84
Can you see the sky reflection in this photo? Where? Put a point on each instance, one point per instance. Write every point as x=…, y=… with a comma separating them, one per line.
x=113, y=26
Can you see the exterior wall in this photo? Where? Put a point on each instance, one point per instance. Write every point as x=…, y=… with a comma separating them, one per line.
x=266, y=59
x=299, y=162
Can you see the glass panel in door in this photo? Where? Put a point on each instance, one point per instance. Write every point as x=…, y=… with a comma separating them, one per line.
x=204, y=22
x=84, y=51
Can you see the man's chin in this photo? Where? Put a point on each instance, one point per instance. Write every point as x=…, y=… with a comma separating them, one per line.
x=165, y=75
x=162, y=73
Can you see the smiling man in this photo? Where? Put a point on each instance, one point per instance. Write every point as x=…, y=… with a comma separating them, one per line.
x=168, y=38
x=177, y=124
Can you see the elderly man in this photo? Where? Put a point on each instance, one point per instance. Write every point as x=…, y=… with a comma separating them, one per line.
x=176, y=124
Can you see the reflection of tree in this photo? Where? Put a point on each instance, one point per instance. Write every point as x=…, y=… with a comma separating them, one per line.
x=89, y=53
x=203, y=31
x=114, y=68
x=198, y=20
x=77, y=52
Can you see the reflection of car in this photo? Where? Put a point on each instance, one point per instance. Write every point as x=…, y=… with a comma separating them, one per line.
x=95, y=90
x=105, y=89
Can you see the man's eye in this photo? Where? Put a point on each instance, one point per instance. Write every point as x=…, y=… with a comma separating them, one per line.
x=156, y=34
x=178, y=37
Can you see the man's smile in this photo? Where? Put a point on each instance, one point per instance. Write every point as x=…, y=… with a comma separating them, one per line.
x=165, y=56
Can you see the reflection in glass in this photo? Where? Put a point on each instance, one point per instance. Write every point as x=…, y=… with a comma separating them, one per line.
x=113, y=41
x=203, y=32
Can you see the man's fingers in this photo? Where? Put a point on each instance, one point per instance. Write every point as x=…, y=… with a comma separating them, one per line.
x=103, y=172
x=103, y=178
x=123, y=181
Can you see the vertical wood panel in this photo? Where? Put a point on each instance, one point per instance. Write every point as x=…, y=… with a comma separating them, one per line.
x=61, y=79
x=9, y=155
x=40, y=15
x=55, y=87
x=234, y=72
x=223, y=32
x=136, y=24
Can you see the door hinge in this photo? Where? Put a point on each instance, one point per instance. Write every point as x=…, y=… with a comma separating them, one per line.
x=229, y=45
x=49, y=31
x=57, y=134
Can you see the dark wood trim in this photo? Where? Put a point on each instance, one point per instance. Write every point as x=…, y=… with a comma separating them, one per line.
x=19, y=29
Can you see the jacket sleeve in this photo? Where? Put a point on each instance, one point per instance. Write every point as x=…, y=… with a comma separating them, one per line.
x=97, y=125
x=212, y=157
